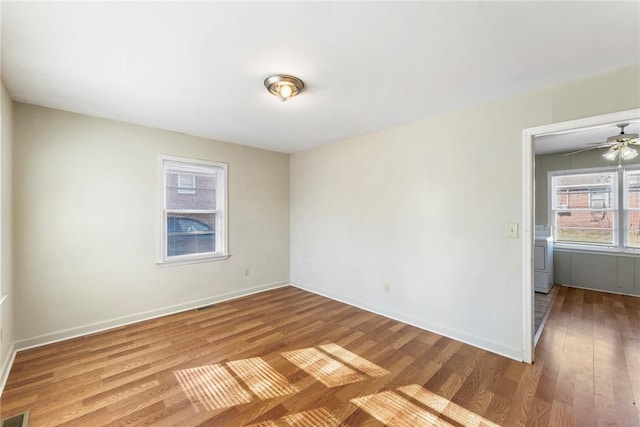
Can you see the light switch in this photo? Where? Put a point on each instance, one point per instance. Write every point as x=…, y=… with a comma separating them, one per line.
x=512, y=231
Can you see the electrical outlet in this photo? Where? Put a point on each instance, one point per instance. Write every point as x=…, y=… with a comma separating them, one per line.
x=387, y=287
x=245, y=271
x=511, y=231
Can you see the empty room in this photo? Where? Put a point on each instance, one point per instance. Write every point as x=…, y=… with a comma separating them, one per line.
x=327, y=214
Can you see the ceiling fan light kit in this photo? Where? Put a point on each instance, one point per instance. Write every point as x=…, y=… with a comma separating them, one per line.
x=611, y=154
x=628, y=153
x=631, y=138
x=618, y=145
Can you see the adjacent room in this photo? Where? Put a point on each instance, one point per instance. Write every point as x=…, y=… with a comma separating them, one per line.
x=320, y=213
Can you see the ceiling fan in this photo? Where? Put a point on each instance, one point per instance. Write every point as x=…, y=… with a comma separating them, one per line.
x=618, y=144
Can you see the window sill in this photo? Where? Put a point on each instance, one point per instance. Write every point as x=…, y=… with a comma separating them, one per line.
x=187, y=261
x=596, y=250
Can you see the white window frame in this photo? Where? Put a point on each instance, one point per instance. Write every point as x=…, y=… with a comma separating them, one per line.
x=619, y=202
x=221, y=227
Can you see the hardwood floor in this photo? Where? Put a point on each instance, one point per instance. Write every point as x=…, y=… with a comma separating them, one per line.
x=288, y=357
x=542, y=305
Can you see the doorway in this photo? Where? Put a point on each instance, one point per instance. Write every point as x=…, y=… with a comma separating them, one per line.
x=529, y=215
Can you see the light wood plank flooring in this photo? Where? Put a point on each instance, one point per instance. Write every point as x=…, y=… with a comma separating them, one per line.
x=288, y=357
x=542, y=305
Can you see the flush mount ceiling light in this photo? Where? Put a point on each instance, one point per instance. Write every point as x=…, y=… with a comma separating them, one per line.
x=283, y=86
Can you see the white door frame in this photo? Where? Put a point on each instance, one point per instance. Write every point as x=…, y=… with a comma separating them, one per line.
x=528, y=205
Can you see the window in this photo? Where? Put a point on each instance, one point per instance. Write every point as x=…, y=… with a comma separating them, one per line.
x=632, y=207
x=582, y=208
x=596, y=208
x=193, y=210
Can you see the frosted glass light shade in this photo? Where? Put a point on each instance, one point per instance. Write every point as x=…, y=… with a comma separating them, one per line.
x=628, y=153
x=611, y=154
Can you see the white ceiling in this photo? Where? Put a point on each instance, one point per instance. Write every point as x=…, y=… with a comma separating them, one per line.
x=580, y=139
x=198, y=67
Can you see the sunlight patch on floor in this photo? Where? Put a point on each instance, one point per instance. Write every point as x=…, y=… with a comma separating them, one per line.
x=211, y=387
x=323, y=368
x=267, y=424
x=444, y=406
x=264, y=381
x=394, y=410
x=363, y=365
x=314, y=418
x=237, y=382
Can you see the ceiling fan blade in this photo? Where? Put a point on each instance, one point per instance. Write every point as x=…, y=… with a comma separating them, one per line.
x=587, y=149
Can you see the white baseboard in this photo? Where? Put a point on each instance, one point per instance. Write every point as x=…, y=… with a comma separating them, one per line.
x=7, y=363
x=511, y=353
x=52, y=337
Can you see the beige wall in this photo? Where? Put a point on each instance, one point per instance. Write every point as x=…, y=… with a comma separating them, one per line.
x=423, y=207
x=86, y=224
x=6, y=249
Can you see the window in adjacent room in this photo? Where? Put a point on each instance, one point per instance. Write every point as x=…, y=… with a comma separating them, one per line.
x=596, y=209
x=194, y=216
x=632, y=207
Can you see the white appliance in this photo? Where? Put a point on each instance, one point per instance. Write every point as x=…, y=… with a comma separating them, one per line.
x=543, y=259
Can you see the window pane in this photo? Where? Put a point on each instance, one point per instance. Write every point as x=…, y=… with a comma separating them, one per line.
x=632, y=201
x=584, y=191
x=585, y=208
x=199, y=194
x=632, y=189
x=190, y=234
x=590, y=226
x=633, y=229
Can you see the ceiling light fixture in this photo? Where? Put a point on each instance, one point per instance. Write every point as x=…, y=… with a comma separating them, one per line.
x=626, y=152
x=619, y=144
x=611, y=154
x=283, y=86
